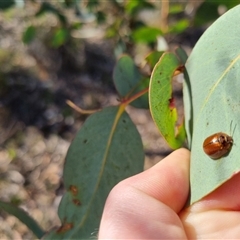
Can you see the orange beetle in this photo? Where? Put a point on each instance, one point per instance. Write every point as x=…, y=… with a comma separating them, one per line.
x=217, y=145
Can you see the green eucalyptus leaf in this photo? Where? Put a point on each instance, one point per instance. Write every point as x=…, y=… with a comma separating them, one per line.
x=161, y=101
x=29, y=34
x=129, y=81
x=211, y=102
x=146, y=34
x=208, y=11
x=106, y=150
x=23, y=217
x=176, y=8
x=60, y=37
x=182, y=55
x=134, y=7
x=153, y=58
x=179, y=26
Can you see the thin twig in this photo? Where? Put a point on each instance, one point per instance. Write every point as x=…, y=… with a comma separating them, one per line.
x=80, y=110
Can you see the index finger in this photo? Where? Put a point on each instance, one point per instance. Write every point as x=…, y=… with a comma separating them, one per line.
x=167, y=181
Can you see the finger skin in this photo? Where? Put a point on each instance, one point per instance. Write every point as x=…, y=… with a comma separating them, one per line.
x=146, y=206
x=216, y=216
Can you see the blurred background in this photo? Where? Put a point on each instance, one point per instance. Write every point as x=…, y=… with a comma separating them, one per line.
x=53, y=51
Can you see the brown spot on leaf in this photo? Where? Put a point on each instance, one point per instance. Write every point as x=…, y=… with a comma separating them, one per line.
x=73, y=189
x=77, y=202
x=171, y=103
x=179, y=70
x=65, y=227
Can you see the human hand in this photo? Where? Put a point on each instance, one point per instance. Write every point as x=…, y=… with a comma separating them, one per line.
x=150, y=206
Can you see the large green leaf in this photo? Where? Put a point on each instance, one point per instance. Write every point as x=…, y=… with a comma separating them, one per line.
x=22, y=216
x=107, y=149
x=161, y=101
x=212, y=100
x=129, y=81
